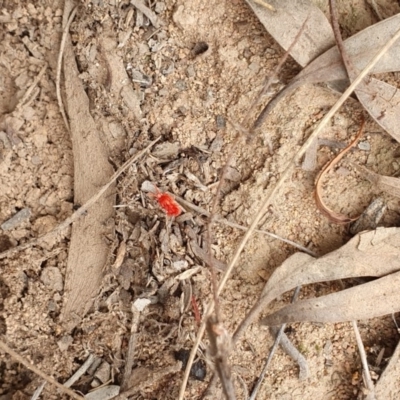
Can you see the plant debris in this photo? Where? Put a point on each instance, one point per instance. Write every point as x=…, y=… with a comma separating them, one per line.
x=332, y=215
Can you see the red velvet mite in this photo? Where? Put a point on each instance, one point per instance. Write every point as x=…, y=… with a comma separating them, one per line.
x=167, y=203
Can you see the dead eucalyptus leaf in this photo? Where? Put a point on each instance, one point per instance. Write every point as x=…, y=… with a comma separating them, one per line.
x=361, y=48
x=285, y=21
x=389, y=382
x=380, y=99
x=372, y=253
x=370, y=300
x=318, y=36
x=370, y=217
x=388, y=184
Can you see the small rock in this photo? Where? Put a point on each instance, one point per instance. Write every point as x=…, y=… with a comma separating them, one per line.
x=217, y=144
x=103, y=373
x=132, y=100
x=166, y=150
x=141, y=304
x=52, y=278
x=116, y=130
x=19, y=218
x=93, y=367
x=364, y=146
x=65, y=342
x=44, y=224
x=36, y=160
x=145, y=81
x=104, y=393
x=95, y=383
x=52, y=306
x=181, y=85
x=221, y=122
x=190, y=72
x=160, y=7
x=5, y=140
x=233, y=175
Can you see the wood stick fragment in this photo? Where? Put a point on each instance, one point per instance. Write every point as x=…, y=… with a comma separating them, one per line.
x=81, y=210
x=238, y=138
x=147, y=12
x=219, y=351
x=37, y=371
x=280, y=338
x=388, y=184
x=156, y=376
x=263, y=3
x=38, y=391
x=81, y=370
x=366, y=374
x=28, y=93
x=59, y=67
x=259, y=306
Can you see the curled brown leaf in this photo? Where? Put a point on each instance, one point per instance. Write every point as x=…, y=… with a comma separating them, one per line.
x=333, y=216
x=388, y=184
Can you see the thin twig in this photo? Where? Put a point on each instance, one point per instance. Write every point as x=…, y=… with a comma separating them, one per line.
x=258, y=307
x=272, y=351
x=155, y=377
x=30, y=90
x=351, y=71
x=333, y=216
x=219, y=351
x=81, y=210
x=263, y=3
x=274, y=75
x=235, y=143
x=367, y=376
x=80, y=371
x=375, y=8
x=130, y=353
x=224, y=221
x=147, y=12
x=38, y=391
x=37, y=371
x=59, y=67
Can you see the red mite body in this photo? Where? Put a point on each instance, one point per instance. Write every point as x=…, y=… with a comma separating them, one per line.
x=168, y=204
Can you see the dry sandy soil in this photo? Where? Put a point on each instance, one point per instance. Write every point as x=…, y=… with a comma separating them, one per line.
x=188, y=81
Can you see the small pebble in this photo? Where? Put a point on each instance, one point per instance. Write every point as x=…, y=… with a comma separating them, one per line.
x=221, y=123
x=190, y=71
x=181, y=85
x=20, y=217
x=160, y=7
x=65, y=342
x=103, y=372
x=364, y=146
x=52, y=278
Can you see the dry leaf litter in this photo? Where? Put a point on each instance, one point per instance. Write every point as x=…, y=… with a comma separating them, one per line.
x=183, y=79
